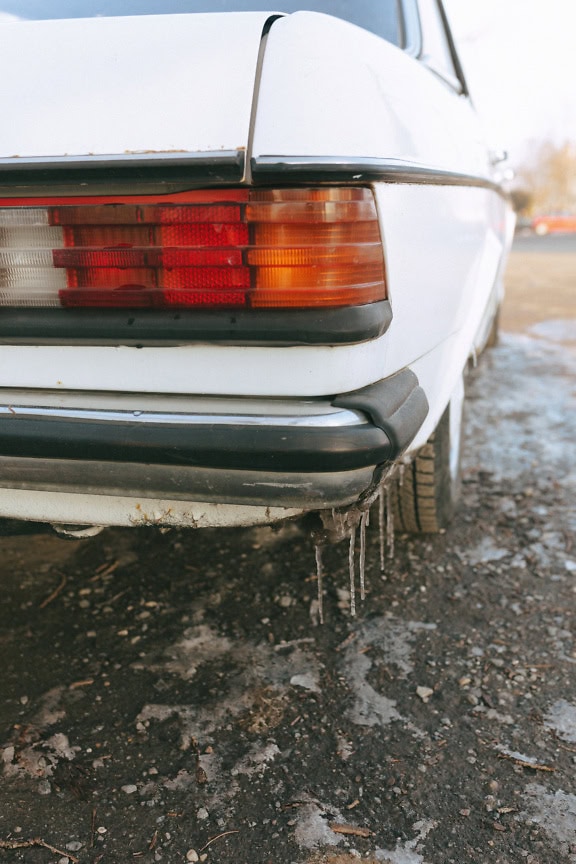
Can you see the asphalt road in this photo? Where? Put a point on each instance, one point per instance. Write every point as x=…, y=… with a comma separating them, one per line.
x=172, y=697
x=528, y=242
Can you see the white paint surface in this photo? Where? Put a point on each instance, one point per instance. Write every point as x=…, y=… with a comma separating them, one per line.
x=150, y=84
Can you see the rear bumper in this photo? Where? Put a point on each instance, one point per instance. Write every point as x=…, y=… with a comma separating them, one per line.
x=308, y=455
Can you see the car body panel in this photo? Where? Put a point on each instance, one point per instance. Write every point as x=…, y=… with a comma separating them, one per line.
x=106, y=510
x=129, y=86
x=382, y=102
x=310, y=99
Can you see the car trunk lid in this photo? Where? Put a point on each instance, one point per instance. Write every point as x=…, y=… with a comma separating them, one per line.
x=132, y=87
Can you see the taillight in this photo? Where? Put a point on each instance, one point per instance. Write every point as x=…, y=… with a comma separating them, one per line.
x=264, y=248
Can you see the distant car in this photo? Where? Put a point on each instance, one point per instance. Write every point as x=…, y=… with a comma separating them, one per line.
x=553, y=224
x=245, y=257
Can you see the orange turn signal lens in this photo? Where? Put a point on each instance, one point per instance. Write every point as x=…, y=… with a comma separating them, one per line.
x=315, y=248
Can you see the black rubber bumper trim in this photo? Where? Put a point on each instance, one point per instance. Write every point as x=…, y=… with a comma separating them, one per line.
x=186, y=483
x=151, y=327
x=230, y=446
x=397, y=407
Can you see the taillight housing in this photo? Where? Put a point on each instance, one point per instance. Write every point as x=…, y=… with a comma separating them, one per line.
x=242, y=248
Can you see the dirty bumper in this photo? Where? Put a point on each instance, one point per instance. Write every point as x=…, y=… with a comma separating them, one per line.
x=308, y=455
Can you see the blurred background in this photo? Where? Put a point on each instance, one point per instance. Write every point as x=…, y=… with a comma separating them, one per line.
x=520, y=62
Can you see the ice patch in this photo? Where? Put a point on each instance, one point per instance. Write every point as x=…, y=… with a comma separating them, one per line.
x=536, y=422
x=33, y=757
x=394, y=639
x=407, y=853
x=555, y=330
x=181, y=782
x=370, y=708
x=199, y=645
x=516, y=756
x=50, y=711
x=246, y=667
x=554, y=812
x=257, y=760
x=60, y=746
x=312, y=826
x=306, y=681
x=399, y=856
x=562, y=719
x=484, y=552
x=253, y=680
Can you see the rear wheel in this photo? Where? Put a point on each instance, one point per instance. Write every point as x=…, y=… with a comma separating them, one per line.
x=494, y=332
x=425, y=500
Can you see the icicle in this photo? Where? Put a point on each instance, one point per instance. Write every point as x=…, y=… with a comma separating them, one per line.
x=352, y=572
x=389, y=523
x=381, y=527
x=363, y=523
x=319, y=575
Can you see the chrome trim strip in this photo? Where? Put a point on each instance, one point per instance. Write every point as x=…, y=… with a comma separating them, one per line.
x=124, y=160
x=366, y=169
x=329, y=418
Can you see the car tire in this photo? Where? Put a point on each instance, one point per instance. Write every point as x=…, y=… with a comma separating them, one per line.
x=425, y=497
x=494, y=332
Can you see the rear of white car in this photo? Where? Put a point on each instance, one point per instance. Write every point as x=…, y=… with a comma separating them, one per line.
x=243, y=260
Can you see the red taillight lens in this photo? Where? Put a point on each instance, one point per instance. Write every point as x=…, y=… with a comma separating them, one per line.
x=274, y=248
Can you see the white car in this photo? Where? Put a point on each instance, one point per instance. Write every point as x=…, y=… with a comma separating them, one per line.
x=245, y=257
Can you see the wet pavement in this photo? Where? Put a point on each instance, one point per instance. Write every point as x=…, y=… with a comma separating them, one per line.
x=171, y=697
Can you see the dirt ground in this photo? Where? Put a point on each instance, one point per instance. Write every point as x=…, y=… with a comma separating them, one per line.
x=172, y=698
x=541, y=288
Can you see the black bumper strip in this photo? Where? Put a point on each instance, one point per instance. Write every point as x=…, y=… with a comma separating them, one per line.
x=150, y=327
x=229, y=446
x=183, y=483
x=397, y=405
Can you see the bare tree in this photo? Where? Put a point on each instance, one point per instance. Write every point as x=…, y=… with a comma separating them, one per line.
x=550, y=178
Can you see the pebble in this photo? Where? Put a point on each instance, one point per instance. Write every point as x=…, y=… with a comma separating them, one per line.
x=130, y=789
x=285, y=601
x=8, y=754
x=202, y=813
x=74, y=846
x=424, y=693
x=192, y=855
